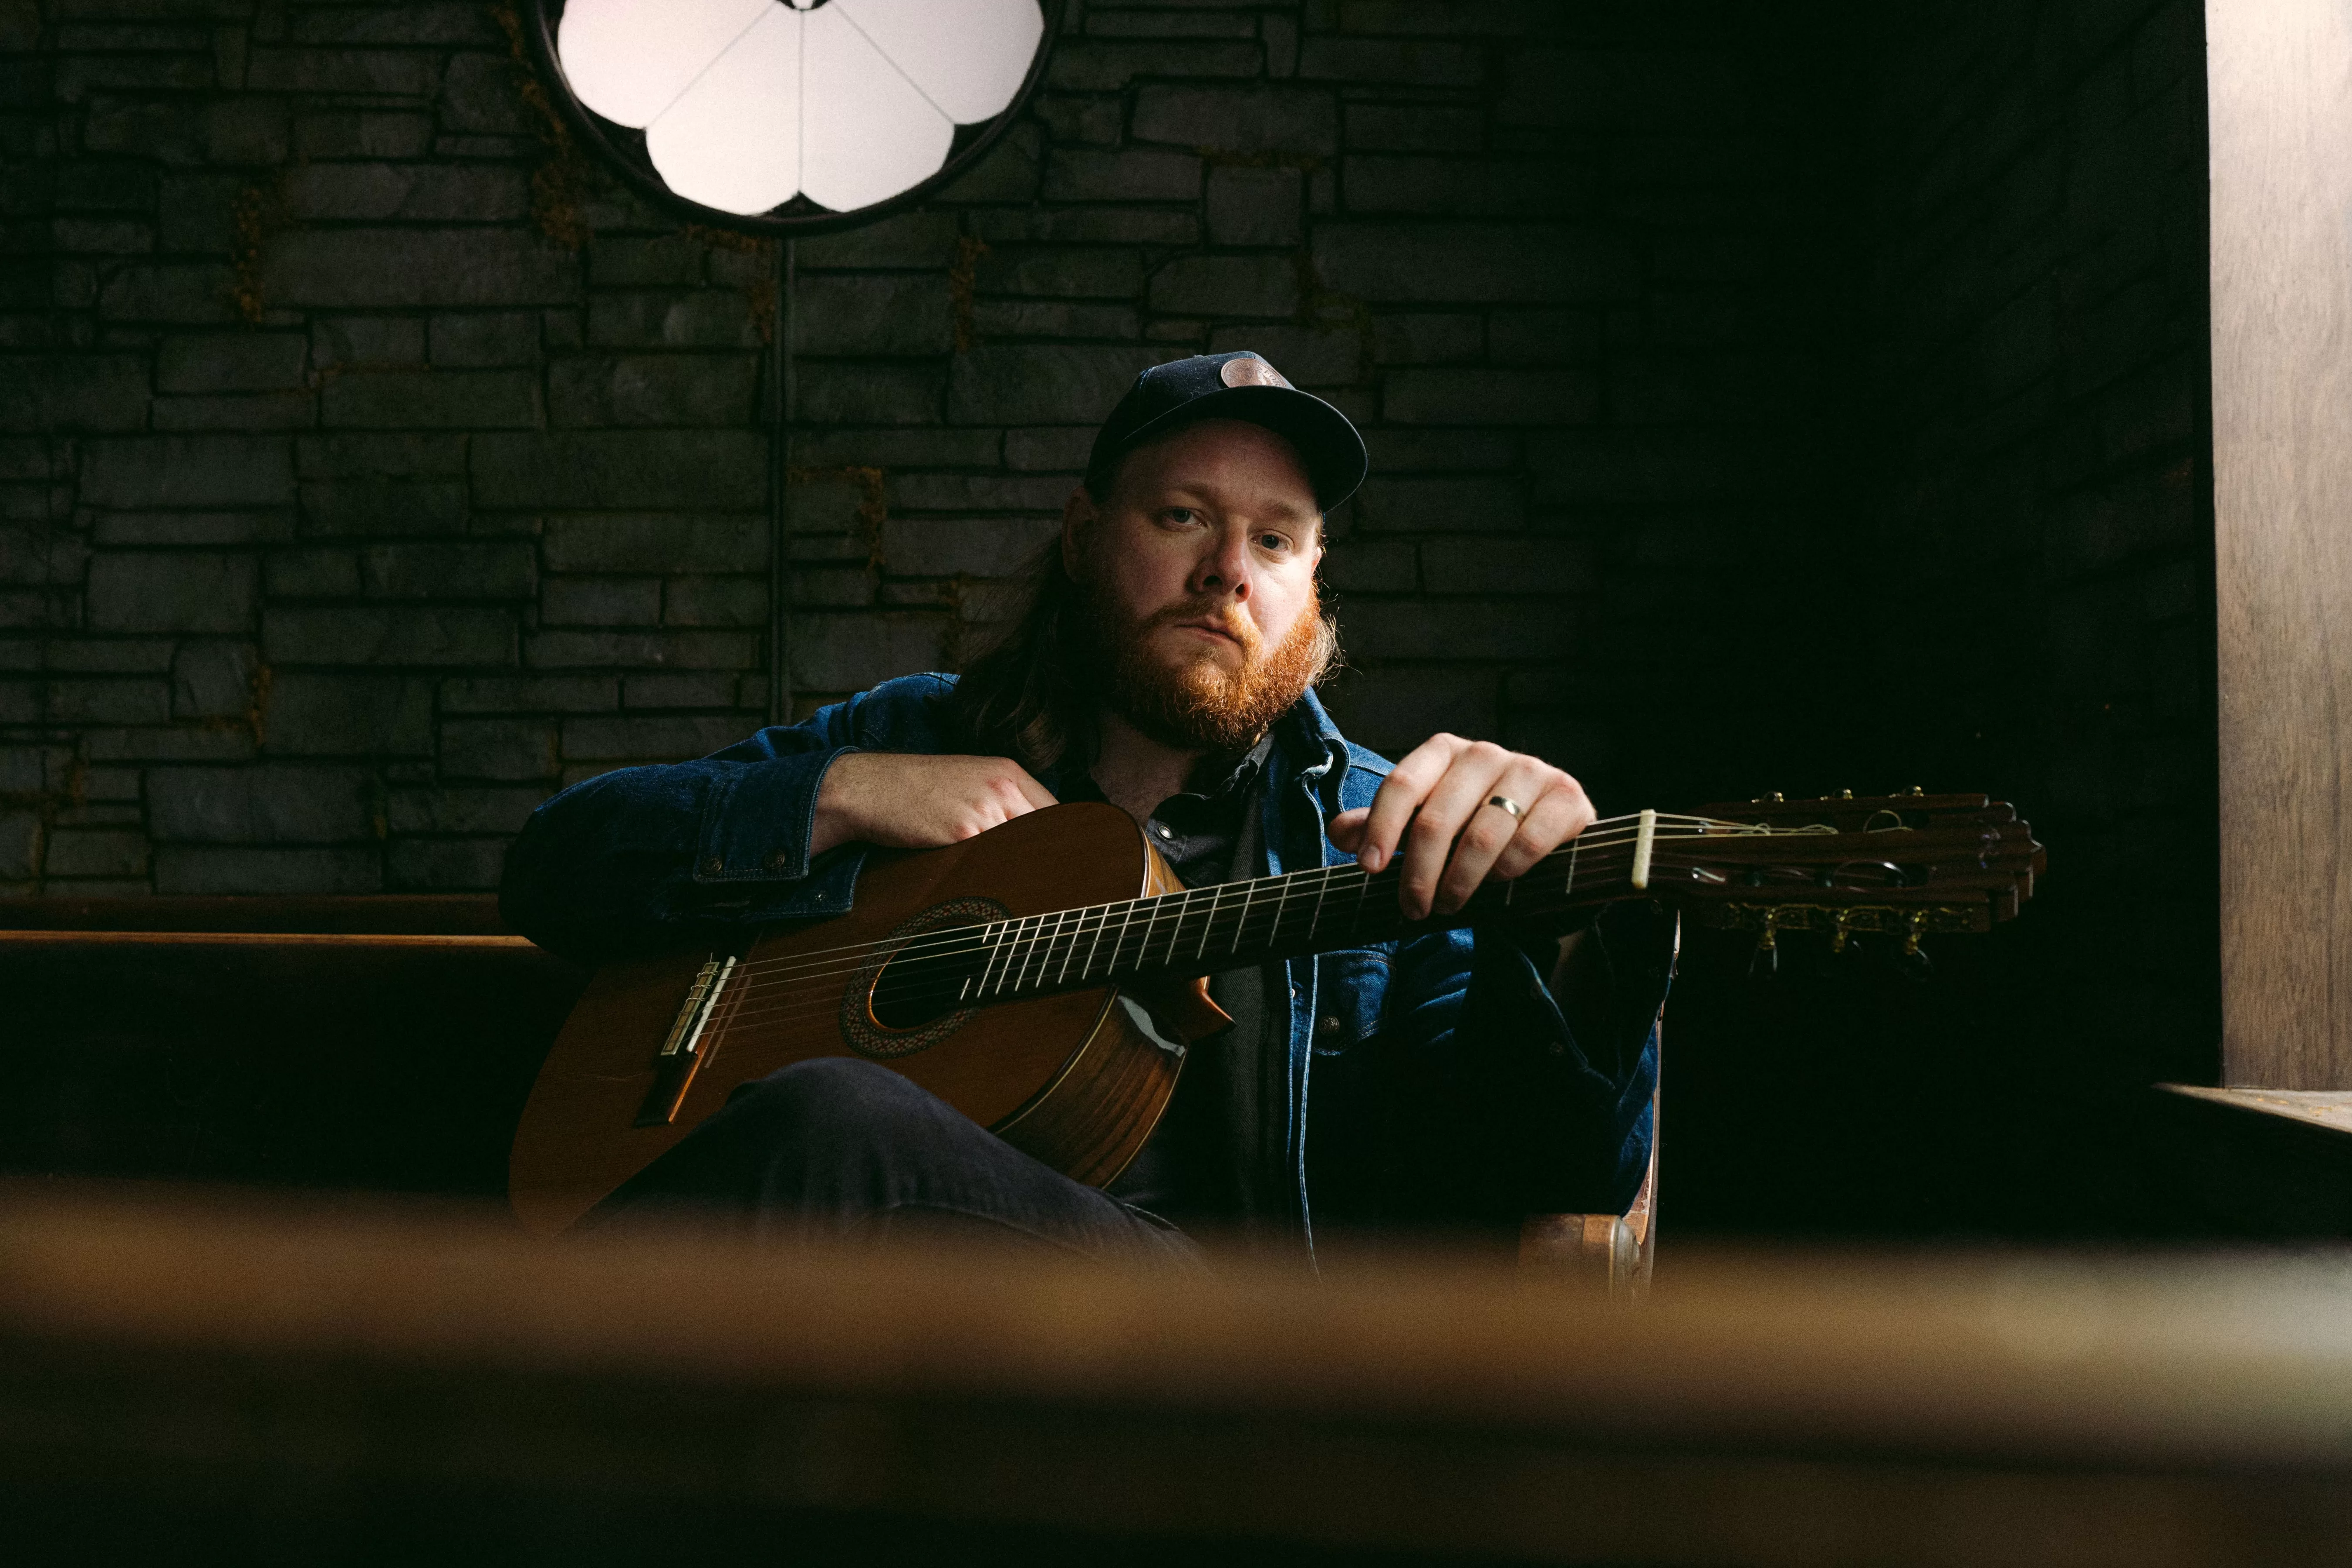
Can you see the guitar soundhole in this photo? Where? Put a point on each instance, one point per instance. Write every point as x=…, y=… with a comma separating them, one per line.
x=904, y=997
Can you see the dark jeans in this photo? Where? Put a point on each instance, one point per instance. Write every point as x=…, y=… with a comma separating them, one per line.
x=841, y=1149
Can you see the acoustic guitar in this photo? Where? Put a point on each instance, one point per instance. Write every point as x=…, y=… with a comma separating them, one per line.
x=1033, y=976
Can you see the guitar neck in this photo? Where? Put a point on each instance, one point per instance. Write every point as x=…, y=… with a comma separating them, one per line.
x=1237, y=925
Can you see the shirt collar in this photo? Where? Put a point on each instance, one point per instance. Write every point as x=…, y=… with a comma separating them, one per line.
x=1308, y=720
x=1243, y=773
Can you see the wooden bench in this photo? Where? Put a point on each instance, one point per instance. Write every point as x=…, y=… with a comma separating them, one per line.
x=374, y=1042
x=371, y=1042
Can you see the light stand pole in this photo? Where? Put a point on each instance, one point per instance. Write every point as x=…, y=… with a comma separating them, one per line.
x=780, y=470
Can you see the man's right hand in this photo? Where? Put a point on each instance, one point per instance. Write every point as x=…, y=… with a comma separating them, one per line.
x=907, y=801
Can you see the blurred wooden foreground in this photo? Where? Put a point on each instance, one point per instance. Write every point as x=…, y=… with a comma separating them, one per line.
x=197, y=1378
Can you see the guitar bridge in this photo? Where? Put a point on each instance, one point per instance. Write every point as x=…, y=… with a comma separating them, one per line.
x=675, y=1064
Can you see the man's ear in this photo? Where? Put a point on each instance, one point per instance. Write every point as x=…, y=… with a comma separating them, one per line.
x=1078, y=515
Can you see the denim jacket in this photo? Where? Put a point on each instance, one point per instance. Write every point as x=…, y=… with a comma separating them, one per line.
x=1433, y=1080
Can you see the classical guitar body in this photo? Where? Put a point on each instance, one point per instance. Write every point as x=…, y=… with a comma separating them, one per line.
x=1068, y=1078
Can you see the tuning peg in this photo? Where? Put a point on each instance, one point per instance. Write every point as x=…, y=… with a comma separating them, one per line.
x=1843, y=931
x=1773, y=798
x=1916, y=962
x=1765, y=961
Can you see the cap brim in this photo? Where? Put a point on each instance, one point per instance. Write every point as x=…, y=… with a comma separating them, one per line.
x=1326, y=439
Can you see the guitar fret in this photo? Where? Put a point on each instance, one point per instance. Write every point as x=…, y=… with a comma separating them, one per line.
x=1000, y=952
x=1052, y=932
x=1208, y=923
x=1006, y=944
x=1013, y=939
x=1249, y=891
x=1176, y=926
x=1314, y=916
x=964, y=995
x=1150, y=908
x=1048, y=925
x=1118, y=943
x=1172, y=906
x=1034, y=925
x=1087, y=970
x=987, y=943
x=1045, y=962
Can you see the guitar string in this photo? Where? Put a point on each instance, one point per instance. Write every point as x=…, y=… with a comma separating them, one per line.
x=850, y=956
x=1589, y=839
x=775, y=1010
x=824, y=957
x=827, y=958
x=1028, y=937
x=1039, y=939
x=1047, y=942
x=782, y=1009
x=1058, y=934
x=778, y=1012
x=799, y=1001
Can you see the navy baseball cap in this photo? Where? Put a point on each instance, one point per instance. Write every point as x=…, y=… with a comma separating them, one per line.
x=1238, y=385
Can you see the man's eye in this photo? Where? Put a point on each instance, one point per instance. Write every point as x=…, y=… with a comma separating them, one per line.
x=1181, y=514
x=1273, y=541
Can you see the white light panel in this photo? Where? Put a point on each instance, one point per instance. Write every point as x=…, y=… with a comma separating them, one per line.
x=747, y=103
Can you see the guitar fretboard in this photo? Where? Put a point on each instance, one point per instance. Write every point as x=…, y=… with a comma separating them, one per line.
x=1232, y=925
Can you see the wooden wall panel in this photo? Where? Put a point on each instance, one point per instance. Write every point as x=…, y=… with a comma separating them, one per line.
x=2280, y=77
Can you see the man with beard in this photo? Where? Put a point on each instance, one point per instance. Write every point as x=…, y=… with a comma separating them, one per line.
x=1165, y=661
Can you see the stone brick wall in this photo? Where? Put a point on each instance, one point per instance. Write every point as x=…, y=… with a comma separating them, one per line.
x=2026, y=605
x=2038, y=326
x=2039, y=321
x=372, y=467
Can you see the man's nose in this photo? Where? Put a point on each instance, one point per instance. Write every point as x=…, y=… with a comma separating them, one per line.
x=1224, y=567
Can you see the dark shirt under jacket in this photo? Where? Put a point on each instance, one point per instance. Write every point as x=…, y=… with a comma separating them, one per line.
x=1204, y=1163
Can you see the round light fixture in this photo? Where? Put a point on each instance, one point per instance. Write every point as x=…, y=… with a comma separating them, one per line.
x=792, y=116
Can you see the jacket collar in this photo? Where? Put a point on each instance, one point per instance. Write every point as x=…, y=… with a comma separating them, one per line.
x=1312, y=735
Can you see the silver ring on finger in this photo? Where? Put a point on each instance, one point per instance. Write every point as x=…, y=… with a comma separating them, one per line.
x=1507, y=804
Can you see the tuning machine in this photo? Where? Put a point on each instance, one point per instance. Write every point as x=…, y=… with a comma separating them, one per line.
x=1914, y=958
x=1765, y=961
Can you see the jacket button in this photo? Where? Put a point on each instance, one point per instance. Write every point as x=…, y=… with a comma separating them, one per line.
x=780, y=861
x=1328, y=1026
x=713, y=867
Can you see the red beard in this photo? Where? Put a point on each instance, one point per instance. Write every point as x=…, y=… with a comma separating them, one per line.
x=1196, y=701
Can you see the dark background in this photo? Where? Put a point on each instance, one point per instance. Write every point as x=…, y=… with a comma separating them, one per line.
x=1761, y=397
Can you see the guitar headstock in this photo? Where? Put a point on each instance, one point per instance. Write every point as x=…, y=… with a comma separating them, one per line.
x=1906, y=866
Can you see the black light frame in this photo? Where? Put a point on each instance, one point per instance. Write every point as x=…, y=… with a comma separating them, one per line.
x=636, y=171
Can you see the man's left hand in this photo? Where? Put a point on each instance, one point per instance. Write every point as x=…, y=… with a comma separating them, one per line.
x=1435, y=803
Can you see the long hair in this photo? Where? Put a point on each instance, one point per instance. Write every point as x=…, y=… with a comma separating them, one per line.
x=1030, y=692
x=1021, y=697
